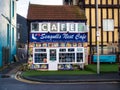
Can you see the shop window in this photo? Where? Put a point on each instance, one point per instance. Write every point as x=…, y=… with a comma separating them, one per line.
x=35, y=27
x=65, y=67
x=40, y=57
x=74, y=44
x=40, y=50
x=62, y=50
x=68, y=44
x=71, y=50
x=66, y=57
x=62, y=44
x=44, y=44
x=79, y=57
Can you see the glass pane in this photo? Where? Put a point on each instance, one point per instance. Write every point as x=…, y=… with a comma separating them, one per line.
x=40, y=50
x=79, y=57
x=67, y=57
x=71, y=50
x=53, y=55
x=62, y=50
x=40, y=57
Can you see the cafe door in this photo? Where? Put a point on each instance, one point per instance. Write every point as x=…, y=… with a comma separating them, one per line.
x=53, y=59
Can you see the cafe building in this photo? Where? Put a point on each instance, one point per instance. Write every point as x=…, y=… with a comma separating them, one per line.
x=58, y=37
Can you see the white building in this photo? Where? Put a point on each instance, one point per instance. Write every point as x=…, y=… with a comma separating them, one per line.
x=7, y=31
x=56, y=37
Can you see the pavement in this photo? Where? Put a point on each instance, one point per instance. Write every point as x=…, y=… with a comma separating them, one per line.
x=109, y=77
x=10, y=69
x=106, y=77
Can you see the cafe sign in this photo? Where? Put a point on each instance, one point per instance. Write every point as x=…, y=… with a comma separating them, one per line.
x=58, y=27
x=58, y=37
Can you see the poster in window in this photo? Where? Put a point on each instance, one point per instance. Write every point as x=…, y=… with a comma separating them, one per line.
x=62, y=44
x=56, y=44
x=74, y=44
x=44, y=44
x=68, y=45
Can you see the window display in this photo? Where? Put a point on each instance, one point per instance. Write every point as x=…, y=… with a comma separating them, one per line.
x=65, y=67
x=74, y=44
x=40, y=58
x=68, y=44
x=40, y=55
x=79, y=57
x=44, y=45
x=62, y=44
x=56, y=44
x=40, y=50
x=63, y=57
x=38, y=45
x=66, y=57
x=50, y=44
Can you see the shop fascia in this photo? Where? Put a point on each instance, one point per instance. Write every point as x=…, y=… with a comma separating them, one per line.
x=58, y=27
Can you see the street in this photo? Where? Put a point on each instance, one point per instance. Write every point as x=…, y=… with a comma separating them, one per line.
x=13, y=84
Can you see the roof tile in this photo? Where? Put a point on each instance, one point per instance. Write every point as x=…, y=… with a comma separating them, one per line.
x=47, y=12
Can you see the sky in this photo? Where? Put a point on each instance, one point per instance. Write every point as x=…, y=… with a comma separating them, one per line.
x=22, y=5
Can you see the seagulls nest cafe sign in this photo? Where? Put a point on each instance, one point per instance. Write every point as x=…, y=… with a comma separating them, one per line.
x=58, y=32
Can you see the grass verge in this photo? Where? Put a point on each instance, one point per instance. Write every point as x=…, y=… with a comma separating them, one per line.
x=89, y=69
